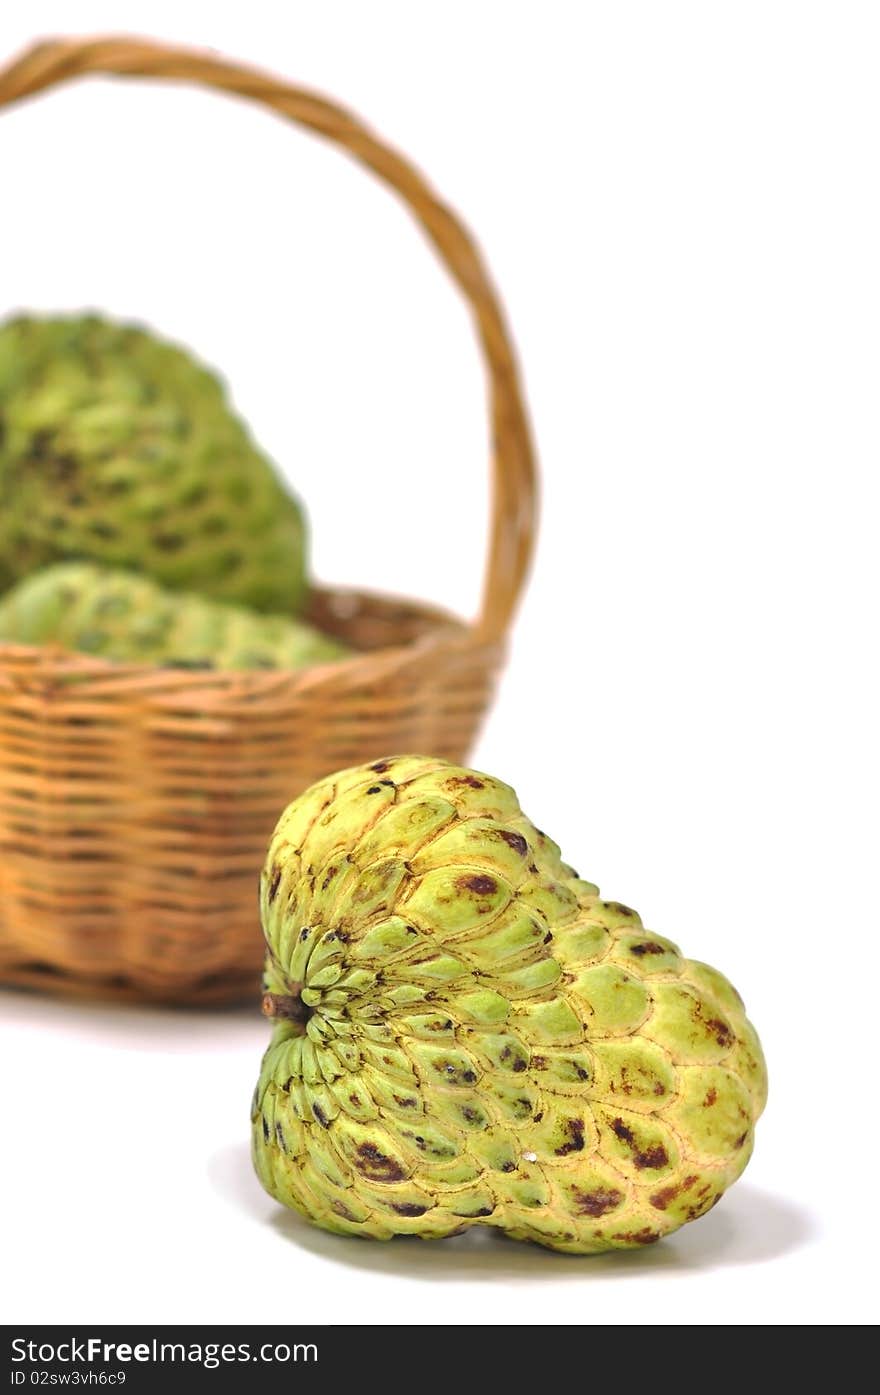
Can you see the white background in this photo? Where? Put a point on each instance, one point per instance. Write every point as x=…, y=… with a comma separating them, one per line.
x=680, y=203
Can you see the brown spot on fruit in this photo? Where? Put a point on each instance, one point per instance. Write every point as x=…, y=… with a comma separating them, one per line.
x=646, y=947
x=453, y=1074
x=596, y=1203
x=342, y=1210
x=654, y=1157
x=484, y=1211
x=700, y=1208
x=380, y=766
x=660, y=1200
x=516, y=1064
x=408, y=1208
x=619, y=909
x=331, y=873
x=465, y=781
x=405, y=1101
x=720, y=1031
x=718, y=1028
x=478, y=883
x=711, y=1097
x=514, y=840
x=376, y=1165
x=573, y=1129
x=168, y=542
x=741, y=1140
x=320, y=1116
x=265, y=1130
x=279, y=1134
x=274, y=883
x=645, y=1236
x=374, y=789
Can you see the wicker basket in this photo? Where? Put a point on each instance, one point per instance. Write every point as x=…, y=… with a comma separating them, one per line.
x=136, y=803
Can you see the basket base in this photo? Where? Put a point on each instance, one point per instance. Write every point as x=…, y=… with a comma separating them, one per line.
x=222, y=990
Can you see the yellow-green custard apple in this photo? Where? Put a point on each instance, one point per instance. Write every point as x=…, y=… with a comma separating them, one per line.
x=465, y=1033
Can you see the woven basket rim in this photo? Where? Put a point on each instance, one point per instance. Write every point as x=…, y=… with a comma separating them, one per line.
x=55, y=663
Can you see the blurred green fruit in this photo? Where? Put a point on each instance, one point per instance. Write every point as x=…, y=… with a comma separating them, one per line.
x=118, y=447
x=119, y=615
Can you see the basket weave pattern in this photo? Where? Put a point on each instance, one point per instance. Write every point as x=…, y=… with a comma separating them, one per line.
x=136, y=803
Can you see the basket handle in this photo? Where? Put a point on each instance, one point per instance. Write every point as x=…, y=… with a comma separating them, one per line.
x=513, y=465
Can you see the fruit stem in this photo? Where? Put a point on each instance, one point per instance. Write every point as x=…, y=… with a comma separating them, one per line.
x=287, y=1005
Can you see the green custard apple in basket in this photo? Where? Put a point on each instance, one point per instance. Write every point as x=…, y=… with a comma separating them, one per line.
x=119, y=448
x=125, y=617
x=465, y=1033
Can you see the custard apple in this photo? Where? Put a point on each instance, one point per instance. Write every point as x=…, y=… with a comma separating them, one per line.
x=119, y=615
x=465, y=1033
x=117, y=447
